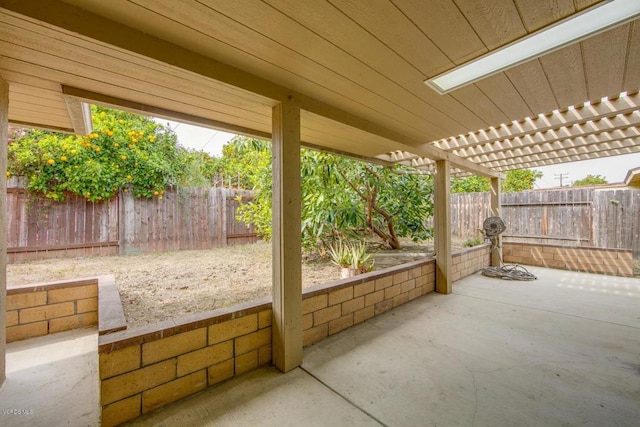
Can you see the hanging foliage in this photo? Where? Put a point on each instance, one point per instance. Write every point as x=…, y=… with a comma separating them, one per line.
x=125, y=151
x=340, y=197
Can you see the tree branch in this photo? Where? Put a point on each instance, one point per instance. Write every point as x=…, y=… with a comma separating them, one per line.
x=370, y=199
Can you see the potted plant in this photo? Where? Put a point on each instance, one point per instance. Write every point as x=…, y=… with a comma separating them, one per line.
x=360, y=259
x=352, y=258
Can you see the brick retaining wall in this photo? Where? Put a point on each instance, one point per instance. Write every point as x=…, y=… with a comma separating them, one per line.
x=147, y=368
x=37, y=310
x=332, y=307
x=144, y=369
x=617, y=262
x=467, y=261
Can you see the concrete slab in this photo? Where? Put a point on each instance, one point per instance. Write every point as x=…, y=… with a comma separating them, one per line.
x=52, y=381
x=263, y=397
x=592, y=296
x=493, y=353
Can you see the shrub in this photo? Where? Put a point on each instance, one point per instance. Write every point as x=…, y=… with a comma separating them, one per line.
x=469, y=243
x=125, y=151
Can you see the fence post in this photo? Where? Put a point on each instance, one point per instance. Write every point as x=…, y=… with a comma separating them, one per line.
x=496, y=252
x=122, y=245
x=127, y=223
x=225, y=213
x=213, y=218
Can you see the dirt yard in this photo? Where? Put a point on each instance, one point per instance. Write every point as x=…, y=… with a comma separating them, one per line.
x=155, y=287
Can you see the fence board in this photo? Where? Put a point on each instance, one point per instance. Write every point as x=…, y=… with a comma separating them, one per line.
x=40, y=228
x=606, y=218
x=237, y=231
x=188, y=218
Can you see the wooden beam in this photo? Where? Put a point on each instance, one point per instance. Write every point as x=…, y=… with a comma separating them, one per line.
x=460, y=163
x=287, y=260
x=88, y=24
x=408, y=158
x=4, y=123
x=373, y=160
x=401, y=143
x=496, y=252
x=80, y=115
x=427, y=164
x=40, y=126
x=398, y=156
x=137, y=107
x=442, y=218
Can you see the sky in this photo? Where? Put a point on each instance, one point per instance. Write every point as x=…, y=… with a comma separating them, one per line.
x=199, y=138
x=614, y=169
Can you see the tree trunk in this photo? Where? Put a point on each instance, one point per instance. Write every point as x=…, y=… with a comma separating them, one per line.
x=370, y=202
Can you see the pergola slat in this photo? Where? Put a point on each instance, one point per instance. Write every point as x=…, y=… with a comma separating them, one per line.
x=555, y=120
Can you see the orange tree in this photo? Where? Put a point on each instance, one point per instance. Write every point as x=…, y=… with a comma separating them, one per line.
x=340, y=196
x=125, y=151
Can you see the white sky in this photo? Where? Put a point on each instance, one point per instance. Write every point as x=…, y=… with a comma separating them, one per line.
x=199, y=138
x=614, y=169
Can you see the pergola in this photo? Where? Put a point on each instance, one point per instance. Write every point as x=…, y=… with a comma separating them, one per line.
x=340, y=75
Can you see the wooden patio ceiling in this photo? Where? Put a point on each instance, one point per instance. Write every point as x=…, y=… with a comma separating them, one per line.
x=355, y=67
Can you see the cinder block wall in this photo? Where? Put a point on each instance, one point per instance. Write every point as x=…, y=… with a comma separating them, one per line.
x=616, y=262
x=330, y=308
x=38, y=310
x=467, y=261
x=144, y=369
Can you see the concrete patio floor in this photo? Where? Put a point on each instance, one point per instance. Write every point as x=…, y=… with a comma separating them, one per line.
x=560, y=351
x=52, y=381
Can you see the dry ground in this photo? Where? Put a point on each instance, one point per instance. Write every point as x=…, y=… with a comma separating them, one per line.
x=155, y=287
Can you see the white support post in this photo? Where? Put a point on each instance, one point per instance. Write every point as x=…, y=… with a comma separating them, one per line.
x=4, y=130
x=496, y=253
x=442, y=219
x=287, y=259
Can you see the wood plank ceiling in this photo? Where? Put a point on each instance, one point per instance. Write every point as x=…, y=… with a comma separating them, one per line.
x=367, y=58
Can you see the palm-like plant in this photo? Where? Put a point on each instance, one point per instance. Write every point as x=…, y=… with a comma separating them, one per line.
x=351, y=255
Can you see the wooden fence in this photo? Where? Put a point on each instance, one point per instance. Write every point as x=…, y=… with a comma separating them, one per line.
x=39, y=228
x=187, y=218
x=202, y=218
x=595, y=217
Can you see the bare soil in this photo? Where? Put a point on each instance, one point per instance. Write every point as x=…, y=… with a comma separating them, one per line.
x=160, y=286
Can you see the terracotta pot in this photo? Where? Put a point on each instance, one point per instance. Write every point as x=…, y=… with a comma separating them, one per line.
x=346, y=272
